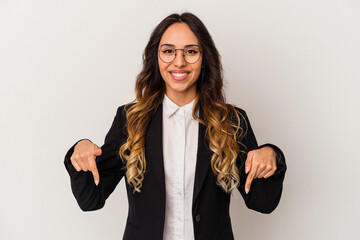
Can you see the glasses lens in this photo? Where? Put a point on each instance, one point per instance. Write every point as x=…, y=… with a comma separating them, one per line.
x=167, y=54
x=192, y=54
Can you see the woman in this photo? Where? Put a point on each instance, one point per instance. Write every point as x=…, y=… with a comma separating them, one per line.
x=181, y=148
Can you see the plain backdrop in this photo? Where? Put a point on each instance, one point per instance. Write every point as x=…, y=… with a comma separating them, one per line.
x=294, y=66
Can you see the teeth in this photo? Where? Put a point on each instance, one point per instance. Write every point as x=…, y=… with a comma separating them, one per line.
x=179, y=74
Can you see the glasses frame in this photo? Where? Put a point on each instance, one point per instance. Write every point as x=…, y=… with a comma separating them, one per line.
x=183, y=49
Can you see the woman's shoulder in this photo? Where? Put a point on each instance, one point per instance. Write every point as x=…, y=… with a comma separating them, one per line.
x=125, y=107
x=236, y=112
x=239, y=110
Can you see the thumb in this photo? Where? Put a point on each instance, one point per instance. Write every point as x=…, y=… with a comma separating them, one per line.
x=98, y=152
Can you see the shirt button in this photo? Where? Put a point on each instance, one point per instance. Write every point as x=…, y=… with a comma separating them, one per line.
x=179, y=193
x=197, y=218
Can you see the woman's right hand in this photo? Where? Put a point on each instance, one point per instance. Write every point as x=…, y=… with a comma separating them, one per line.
x=83, y=158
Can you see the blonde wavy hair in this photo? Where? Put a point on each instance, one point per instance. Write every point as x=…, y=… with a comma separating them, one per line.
x=223, y=122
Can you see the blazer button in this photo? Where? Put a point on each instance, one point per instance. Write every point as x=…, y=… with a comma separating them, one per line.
x=197, y=218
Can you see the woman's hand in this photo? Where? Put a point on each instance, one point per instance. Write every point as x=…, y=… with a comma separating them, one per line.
x=83, y=158
x=261, y=163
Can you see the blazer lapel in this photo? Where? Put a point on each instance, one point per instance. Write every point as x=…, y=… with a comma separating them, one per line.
x=154, y=150
x=202, y=160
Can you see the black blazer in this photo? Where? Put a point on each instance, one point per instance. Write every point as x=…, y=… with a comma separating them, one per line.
x=210, y=208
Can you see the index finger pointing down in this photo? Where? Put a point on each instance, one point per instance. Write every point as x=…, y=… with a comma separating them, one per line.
x=94, y=170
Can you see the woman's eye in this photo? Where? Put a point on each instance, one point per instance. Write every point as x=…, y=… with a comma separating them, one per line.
x=168, y=51
x=191, y=52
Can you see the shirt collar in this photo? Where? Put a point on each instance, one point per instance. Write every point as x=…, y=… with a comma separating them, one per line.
x=170, y=108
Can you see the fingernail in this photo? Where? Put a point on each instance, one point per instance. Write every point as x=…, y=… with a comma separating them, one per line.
x=97, y=182
x=246, y=169
x=247, y=190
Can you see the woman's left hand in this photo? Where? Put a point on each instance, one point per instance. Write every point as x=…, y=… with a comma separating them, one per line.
x=261, y=163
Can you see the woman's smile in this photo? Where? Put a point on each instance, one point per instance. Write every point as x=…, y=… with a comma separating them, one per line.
x=179, y=75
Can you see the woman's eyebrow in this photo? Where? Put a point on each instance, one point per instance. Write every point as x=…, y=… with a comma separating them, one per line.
x=172, y=45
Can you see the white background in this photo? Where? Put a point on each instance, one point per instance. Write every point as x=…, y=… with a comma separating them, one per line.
x=294, y=66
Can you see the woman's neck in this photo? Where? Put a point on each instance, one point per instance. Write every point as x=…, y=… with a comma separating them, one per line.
x=181, y=99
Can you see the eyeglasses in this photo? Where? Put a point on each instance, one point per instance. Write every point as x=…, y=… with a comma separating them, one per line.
x=191, y=54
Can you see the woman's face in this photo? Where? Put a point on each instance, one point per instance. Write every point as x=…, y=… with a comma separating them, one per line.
x=179, y=76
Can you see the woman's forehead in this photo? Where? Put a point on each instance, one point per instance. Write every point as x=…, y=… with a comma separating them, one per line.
x=179, y=35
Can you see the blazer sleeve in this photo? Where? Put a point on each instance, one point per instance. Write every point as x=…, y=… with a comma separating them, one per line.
x=110, y=166
x=265, y=193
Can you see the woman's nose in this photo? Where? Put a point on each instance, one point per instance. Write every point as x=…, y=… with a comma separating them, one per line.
x=179, y=60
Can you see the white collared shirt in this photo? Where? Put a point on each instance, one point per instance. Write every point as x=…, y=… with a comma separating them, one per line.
x=180, y=142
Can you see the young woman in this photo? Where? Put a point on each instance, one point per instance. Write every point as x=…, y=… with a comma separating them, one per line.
x=181, y=148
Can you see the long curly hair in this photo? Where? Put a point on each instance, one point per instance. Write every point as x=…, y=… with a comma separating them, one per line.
x=222, y=120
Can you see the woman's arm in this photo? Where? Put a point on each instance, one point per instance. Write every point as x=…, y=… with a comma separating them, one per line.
x=109, y=164
x=265, y=193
